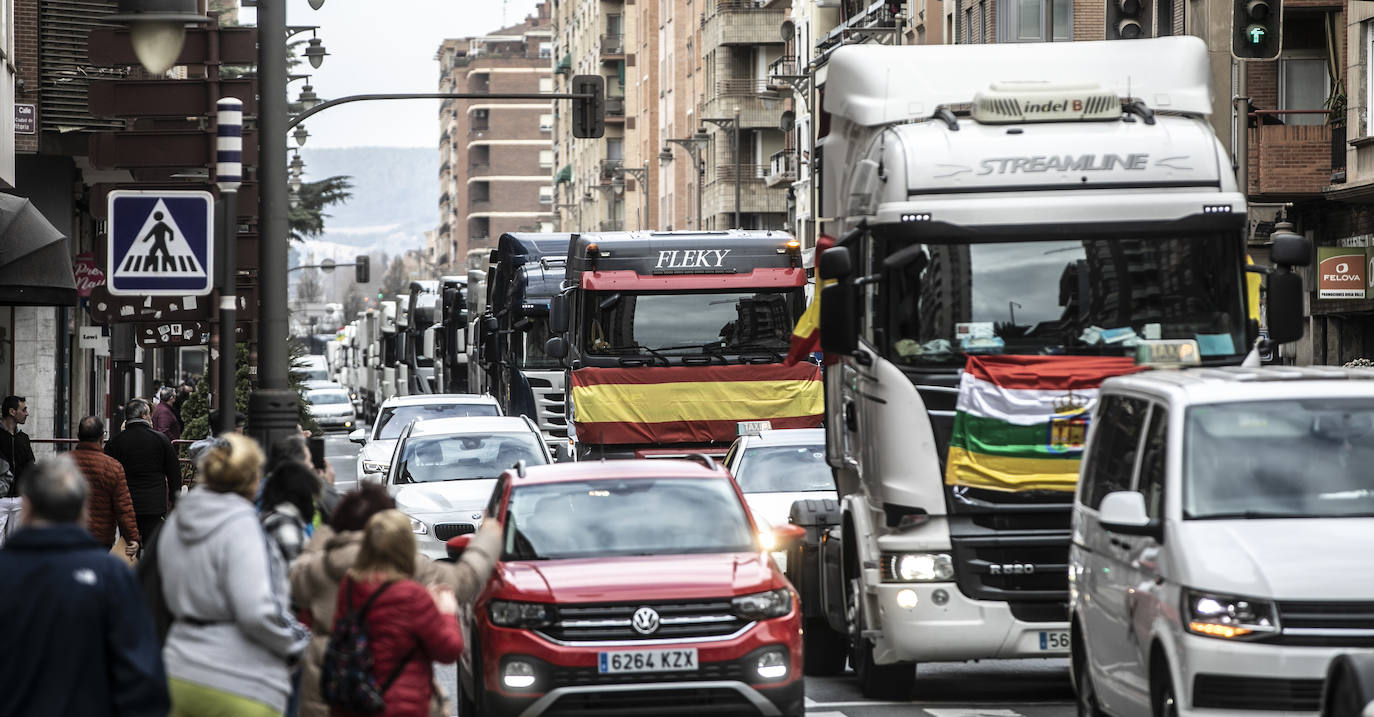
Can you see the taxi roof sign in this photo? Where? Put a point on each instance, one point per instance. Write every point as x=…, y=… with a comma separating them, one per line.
x=1168, y=353
x=752, y=428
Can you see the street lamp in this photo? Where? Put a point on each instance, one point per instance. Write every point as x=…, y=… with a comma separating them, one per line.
x=308, y=97
x=157, y=29
x=314, y=52
x=300, y=135
x=693, y=146
x=641, y=177
x=731, y=124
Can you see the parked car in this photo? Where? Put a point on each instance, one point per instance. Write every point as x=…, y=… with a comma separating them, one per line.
x=638, y=585
x=379, y=442
x=444, y=469
x=331, y=407
x=1218, y=525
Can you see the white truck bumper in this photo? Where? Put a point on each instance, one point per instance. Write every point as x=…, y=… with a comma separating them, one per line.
x=946, y=626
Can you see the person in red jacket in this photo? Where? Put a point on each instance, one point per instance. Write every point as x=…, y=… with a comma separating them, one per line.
x=407, y=625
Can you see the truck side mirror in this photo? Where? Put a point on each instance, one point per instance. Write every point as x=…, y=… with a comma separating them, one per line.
x=557, y=347
x=558, y=314
x=1289, y=248
x=1282, y=306
x=839, y=333
x=835, y=263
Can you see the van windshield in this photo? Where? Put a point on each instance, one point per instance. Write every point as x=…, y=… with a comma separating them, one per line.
x=1279, y=459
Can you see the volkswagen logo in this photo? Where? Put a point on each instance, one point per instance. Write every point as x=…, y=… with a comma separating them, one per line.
x=645, y=621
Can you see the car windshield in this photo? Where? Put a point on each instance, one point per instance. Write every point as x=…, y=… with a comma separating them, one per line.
x=430, y=459
x=945, y=302
x=325, y=396
x=691, y=323
x=641, y=516
x=1279, y=459
x=393, y=420
x=784, y=469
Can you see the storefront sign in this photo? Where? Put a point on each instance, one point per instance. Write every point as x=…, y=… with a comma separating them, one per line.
x=1340, y=273
x=88, y=275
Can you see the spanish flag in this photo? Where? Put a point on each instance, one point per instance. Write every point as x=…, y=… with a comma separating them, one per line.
x=1020, y=422
x=806, y=335
x=691, y=404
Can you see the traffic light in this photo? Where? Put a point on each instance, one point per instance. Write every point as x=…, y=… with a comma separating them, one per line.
x=361, y=270
x=1127, y=20
x=589, y=114
x=1256, y=29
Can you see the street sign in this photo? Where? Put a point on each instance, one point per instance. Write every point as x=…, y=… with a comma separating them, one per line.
x=161, y=243
x=25, y=119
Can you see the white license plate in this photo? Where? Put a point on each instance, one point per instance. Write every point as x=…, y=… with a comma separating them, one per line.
x=1054, y=640
x=684, y=660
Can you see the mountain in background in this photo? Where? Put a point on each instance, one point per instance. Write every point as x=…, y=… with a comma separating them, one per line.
x=395, y=195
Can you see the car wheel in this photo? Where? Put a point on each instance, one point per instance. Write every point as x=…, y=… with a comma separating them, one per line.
x=875, y=681
x=1163, y=699
x=823, y=649
x=1083, y=685
x=796, y=709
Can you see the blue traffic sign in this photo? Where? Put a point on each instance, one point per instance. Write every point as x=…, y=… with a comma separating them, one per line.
x=161, y=243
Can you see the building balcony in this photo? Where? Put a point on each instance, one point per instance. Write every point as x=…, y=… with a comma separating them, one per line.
x=610, y=169
x=479, y=204
x=757, y=110
x=780, y=73
x=615, y=109
x=755, y=197
x=782, y=168
x=1288, y=160
x=612, y=225
x=740, y=22
x=612, y=47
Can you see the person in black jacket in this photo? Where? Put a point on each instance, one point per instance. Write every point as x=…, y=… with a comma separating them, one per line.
x=14, y=442
x=78, y=639
x=150, y=467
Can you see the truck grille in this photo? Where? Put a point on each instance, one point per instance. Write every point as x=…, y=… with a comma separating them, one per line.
x=548, y=394
x=1327, y=624
x=1013, y=548
x=604, y=622
x=564, y=676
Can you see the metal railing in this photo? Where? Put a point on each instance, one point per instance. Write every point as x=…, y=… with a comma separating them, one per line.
x=747, y=172
x=612, y=44
x=782, y=165
x=783, y=67
x=615, y=106
x=720, y=6
x=736, y=87
x=611, y=168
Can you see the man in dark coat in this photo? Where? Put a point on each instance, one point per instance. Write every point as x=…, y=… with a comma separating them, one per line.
x=150, y=467
x=78, y=639
x=165, y=419
x=14, y=442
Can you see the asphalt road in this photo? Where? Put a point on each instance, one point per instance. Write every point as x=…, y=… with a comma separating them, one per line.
x=991, y=688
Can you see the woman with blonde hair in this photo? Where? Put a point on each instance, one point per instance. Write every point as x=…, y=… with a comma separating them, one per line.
x=233, y=635
x=408, y=627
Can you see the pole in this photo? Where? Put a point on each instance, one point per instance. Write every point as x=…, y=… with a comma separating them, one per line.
x=1241, y=141
x=272, y=410
x=701, y=177
x=228, y=175
x=735, y=140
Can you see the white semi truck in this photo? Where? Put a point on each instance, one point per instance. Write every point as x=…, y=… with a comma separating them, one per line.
x=993, y=202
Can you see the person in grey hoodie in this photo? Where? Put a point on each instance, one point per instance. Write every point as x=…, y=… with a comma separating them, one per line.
x=233, y=639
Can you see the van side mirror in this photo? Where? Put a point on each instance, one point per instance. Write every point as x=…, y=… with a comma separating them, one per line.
x=1124, y=512
x=839, y=330
x=558, y=314
x=835, y=263
x=556, y=347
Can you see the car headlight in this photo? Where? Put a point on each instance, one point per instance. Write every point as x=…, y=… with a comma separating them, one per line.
x=373, y=467
x=774, y=603
x=1229, y=617
x=917, y=567
x=418, y=526
x=507, y=613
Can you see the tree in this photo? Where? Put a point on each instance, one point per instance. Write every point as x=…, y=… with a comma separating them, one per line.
x=396, y=280
x=309, y=287
x=307, y=217
x=195, y=414
x=353, y=302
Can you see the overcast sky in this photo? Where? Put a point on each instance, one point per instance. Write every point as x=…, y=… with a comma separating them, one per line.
x=389, y=47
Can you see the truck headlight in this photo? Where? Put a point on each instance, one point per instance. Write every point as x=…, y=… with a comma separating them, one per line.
x=418, y=526
x=373, y=467
x=917, y=568
x=774, y=603
x=508, y=613
x=1229, y=617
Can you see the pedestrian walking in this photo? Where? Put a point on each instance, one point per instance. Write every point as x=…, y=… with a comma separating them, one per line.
x=318, y=572
x=109, y=503
x=150, y=468
x=233, y=637
x=14, y=442
x=288, y=506
x=194, y=450
x=408, y=626
x=78, y=639
x=165, y=419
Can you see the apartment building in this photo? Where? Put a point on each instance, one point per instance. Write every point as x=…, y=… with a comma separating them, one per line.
x=496, y=156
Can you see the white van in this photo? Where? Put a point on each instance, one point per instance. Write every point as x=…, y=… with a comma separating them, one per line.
x=1223, y=540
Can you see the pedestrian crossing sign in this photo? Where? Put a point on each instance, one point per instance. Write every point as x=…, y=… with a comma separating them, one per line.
x=161, y=243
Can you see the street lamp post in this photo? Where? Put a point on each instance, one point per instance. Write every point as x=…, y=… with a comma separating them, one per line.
x=228, y=175
x=641, y=177
x=732, y=125
x=693, y=147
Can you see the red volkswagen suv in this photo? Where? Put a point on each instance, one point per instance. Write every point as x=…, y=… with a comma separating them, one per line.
x=629, y=588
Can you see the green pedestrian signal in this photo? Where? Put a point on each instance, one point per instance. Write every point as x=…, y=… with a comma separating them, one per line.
x=1256, y=29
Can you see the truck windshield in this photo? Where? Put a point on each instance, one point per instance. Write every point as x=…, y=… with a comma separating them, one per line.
x=1305, y=458
x=690, y=323
x=531, y=348
x=1085, y=296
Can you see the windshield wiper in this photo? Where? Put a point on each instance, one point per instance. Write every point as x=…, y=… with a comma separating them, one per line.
x=742, y=348
x=638, y=347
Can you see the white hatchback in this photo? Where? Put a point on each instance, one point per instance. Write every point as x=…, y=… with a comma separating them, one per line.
x=1222, y=531
x=379, y=441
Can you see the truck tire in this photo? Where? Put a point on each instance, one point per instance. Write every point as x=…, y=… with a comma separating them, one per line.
x=824, y=650
x=881, y=681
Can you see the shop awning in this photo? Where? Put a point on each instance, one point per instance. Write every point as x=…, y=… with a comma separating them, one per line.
x=35, y=262
x=564, y=175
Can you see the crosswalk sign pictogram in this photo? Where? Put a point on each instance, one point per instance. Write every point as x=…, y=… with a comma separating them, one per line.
x=161, y=243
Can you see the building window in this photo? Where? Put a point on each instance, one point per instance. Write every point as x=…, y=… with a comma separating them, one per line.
x=546, y=84
x=1369, y=79
x=1303, y=85
x=546, y=195
x=1164, y=18
x=546, y=50
x=545, y=158
x=615, y=148
x=982, y=21
x=1030, y=20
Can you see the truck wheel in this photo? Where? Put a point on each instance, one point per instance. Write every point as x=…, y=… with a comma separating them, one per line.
x=823, y=650
x=882, y=681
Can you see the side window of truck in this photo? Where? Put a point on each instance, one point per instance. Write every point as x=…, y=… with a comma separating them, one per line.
x=1116, y=440
x=1153, y=462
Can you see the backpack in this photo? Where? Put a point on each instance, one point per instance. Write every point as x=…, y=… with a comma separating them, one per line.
x=346, y=679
